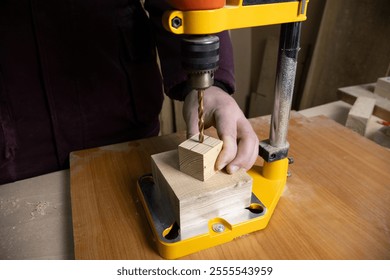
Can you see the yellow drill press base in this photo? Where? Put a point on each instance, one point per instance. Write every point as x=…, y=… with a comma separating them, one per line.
x=268, y=185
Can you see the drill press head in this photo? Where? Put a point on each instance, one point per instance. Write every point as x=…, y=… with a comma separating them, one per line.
x=200, y=57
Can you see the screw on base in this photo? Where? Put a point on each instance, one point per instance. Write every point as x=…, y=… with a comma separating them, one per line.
x=218, y=227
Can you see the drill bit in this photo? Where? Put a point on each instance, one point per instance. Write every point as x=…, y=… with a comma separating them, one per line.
x=201, y=115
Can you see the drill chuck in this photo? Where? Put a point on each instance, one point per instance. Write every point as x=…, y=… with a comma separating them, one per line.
x=200, y=57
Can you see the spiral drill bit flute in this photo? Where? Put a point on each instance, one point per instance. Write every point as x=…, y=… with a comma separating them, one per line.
x=200, y=56
x=201, y=115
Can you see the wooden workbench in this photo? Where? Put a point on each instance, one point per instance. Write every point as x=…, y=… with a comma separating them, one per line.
x=335, y=205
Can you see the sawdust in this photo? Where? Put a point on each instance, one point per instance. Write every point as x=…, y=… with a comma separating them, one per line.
x=39, y=208
x=9, y=206
x=13, y=206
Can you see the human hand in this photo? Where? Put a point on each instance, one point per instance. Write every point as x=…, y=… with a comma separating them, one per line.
x=240, y=143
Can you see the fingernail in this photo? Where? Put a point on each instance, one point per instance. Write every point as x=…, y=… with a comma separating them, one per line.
x=233, y=169
x=221, y=166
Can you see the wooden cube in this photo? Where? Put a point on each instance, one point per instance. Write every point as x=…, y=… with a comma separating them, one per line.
x=192, y=203
x=198, y=159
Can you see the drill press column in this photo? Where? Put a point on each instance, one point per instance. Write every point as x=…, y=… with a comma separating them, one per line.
x=276, y=147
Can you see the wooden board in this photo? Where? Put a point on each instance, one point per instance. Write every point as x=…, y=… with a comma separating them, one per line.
x=191, y=202
x=338, y=111
x=335, y=205
x=360, y=114
x=350, y=94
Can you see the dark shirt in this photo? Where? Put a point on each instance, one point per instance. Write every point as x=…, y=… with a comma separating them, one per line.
x=76, y=74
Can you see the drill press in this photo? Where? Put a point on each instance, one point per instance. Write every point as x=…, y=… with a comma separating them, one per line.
x=199, y=18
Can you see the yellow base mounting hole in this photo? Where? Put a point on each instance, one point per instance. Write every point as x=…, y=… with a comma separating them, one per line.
x=256, y=208
x=172, y=232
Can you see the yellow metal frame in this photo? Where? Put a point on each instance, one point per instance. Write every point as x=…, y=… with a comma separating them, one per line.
x=233, y=16
x=268, y=185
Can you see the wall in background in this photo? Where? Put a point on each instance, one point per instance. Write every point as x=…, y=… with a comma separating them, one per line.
x=353, y=47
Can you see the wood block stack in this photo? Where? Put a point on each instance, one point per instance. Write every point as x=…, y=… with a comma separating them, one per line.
x=191, y=201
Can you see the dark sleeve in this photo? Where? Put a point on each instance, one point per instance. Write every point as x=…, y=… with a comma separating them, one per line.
x=168, y=45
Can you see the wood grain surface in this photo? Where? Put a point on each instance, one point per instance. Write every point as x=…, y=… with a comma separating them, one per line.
x=198, y=159
x=335, y=205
